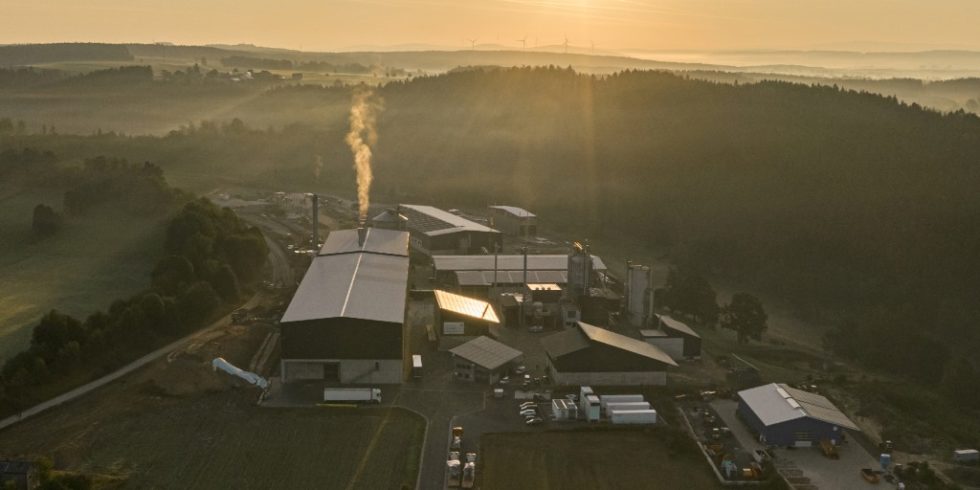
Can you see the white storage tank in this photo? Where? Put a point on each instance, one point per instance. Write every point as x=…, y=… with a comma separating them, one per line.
x=633, y=416
x=607, y=399
x=610, y=407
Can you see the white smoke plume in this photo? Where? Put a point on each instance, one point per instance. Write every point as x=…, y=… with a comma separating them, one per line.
x=317, y=167
x=361, y=138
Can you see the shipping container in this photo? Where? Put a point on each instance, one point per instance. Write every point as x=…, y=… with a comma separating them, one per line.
x=352, y=395
x=607, y=399
x=610, y=407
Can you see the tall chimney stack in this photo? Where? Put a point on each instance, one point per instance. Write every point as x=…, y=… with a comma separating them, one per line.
x=361, y=233
x=316, y=223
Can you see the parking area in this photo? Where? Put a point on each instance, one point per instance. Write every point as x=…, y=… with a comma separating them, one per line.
x=803, y=468
x=736, y=455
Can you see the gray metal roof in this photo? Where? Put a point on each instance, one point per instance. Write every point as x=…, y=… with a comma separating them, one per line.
x=515, y=211
x=367, y=285
x=376, y=240
x=485, y=278
x=434, y=221
x=535, y=262
x=619, y=341
x=677, y=326
x=462, y=305
x=776, y=403
x=486, y=352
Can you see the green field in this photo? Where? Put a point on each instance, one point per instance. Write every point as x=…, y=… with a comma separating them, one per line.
x=94, y=260
x=589, y=459
x=222, y=440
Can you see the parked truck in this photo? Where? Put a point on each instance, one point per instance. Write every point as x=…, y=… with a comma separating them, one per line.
x=354, y=395
x=469, y=475
x=453, y=470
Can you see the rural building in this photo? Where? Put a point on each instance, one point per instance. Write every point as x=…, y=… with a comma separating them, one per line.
x=514, y=221
x=474, y=274
x=674, y=329
x=673, y=346
x=784, y=416
x=345, y=322
x=21, y=475
x=484, y=360
x=589, y=355
x=435, y=231
x=459, y=317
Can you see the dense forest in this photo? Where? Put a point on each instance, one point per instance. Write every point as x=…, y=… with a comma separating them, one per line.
x=858, y=208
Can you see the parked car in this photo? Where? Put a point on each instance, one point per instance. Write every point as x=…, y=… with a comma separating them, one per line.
x=504, y=380
x=528, y=405
x=529, y=412
x=534, y=421
x=535, y=329
x=520, y=369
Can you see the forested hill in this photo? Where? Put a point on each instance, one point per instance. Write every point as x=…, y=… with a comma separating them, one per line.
x=825, y=196
x=843, y=194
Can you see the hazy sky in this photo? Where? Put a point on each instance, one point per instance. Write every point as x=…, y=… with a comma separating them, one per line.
x=611, y=24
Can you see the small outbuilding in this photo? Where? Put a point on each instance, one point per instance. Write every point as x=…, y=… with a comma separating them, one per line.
x=21, y=475
x=785, y=416
x=483, y=360
x=463, y=318
x=589, y=355
x=675, y=329
x=514, y=220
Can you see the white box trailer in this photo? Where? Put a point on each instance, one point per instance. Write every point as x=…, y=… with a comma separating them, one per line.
x=357, y=395
x=966, y=456
x=634, y=416
x=607, y=399
x=610, y=407
x=591, y=408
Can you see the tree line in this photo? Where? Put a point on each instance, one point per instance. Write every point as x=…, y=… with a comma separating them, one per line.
x=209, y=258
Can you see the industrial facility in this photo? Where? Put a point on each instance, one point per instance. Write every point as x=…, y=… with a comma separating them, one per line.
x=514, y=221
x=345, y=323
x=787, y=417
x=590, y=355
x=476, y=274
x=435, y=231
x=484, y=360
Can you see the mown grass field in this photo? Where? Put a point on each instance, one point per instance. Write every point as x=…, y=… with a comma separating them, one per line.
x=588, y=459
x=94, y=260
x=222, y=440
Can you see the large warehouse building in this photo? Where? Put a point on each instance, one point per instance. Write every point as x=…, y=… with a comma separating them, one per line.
x=589, y=355
x=435, y=231
x=784, y=416
x=345, y=322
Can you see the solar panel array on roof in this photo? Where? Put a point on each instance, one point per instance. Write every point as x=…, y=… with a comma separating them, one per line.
x=486, y=352
x=535, y=262
x=434, y=221
x=462, y=305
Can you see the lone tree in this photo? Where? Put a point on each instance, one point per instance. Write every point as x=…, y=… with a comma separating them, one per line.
x=46, y=220
x=745, y=316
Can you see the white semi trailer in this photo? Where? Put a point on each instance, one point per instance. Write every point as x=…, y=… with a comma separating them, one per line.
x=611, y=407
x=356, y=395
x=607, y=399
x=633, y=417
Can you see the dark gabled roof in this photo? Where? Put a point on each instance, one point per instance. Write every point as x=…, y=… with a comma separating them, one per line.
x=462, y=305
x=669, y=323
x=486, y=352
x=562, y=343
x=622, y=342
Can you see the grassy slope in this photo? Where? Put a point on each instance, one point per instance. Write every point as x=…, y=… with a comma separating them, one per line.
x=93, y=261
